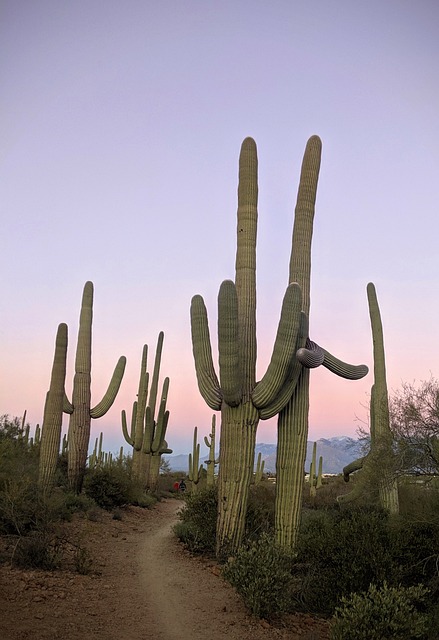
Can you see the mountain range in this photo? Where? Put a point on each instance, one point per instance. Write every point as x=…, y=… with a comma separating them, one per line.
x=336, y=452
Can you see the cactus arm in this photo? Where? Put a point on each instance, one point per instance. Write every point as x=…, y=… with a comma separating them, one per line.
x=155, y=374
x=162, y=420
x=228, y=344
x=342, y=369
x=292, y=376
x=67, y=406
x=208, y=383
x=283, y=351
x=149, y=431
x=104, y=405
x=311, y=355
x=128, y=437
x=355, y=465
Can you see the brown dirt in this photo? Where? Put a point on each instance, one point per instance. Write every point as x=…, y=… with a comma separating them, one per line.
x=143, y=585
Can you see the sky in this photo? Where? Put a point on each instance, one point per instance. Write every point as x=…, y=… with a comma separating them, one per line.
x=121, y=125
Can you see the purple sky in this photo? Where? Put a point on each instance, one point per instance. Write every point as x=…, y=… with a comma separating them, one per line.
x=121, y=127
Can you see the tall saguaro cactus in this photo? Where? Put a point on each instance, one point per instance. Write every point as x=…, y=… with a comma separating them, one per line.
x=293, y=417
x=241, y=400
x=378, y=466
x=79, y=408
x=195, y=468
x=53, y=413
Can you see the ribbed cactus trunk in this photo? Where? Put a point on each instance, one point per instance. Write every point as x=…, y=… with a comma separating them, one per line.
x=381, y=447
x=292, y=429
x=236, y=393
x=80, y=409
x=53, y=414
x=211, y=462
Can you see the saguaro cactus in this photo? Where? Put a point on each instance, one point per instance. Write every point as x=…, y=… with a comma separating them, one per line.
x=53, y=413
x=378, y=466
x=259, y=471
x=241, y=400
x=293, y=417
x=148, y=431
x=194, y=472
x=315, y=476
x=80, y=409
x=211, y=462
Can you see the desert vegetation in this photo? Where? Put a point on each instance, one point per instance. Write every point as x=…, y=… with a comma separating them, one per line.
x=364, y=555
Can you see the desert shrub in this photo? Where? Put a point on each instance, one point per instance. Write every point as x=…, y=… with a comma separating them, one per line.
x=260, y=510
x=396, y=613
x=111, y=487
x=197, y=526
x=261, y=574
x=38, y=550
x=340, y=552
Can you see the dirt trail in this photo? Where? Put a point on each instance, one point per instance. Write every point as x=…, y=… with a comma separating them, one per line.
x=143, y=586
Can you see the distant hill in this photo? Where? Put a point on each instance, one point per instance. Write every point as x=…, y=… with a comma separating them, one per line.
x=337, y=452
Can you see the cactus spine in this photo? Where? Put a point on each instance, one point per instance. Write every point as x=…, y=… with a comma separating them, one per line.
x=210, y=444
x=293, y=417
x=80, y=409
x=195, y=467
x=53, y=413
x=241, y=401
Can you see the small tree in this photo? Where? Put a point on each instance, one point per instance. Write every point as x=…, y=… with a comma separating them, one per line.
x=414, y=417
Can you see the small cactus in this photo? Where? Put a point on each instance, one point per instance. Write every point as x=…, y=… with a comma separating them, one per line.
x=211, y=462
x=195, y=468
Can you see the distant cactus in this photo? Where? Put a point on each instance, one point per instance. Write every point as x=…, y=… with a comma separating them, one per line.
x=315, y=477
x=147, y=434
x=195, y=468
x=53, y=413
x=259, y=471
x=80, y=409
x=211, y=462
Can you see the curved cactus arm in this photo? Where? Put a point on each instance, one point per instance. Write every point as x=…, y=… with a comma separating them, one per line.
x=129, y=437
x=149, y=431
x=67, y=406
x=208, y=383
x=342, y=369
x=292, y=377
x=104, y=405
x=311, y=355
x=355, y=465
x=155, y=374
x=228, y=344
x=162, y=420
x=284, y=350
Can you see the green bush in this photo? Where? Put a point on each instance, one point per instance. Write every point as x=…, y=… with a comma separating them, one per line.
x=38, y=550
x=260, y=510
x=112, y=487
x=339, y=552
x=197, y=526
x=261, y=574
x=394, y=613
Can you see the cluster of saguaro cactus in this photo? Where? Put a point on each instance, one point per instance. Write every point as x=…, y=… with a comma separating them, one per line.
x=377, y=466
x=80, y=409
x=236, y=392
x=195, y=468
x=212, y=461
x=148, y=430
x=100, y=458
x=315, y=475
x=283, y=389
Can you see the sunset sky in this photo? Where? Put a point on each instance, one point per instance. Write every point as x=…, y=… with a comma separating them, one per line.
x=121, y=125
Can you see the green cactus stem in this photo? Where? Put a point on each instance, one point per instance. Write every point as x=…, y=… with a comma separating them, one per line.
x=212, y=461
x=315, y=477
x=235, y=392
x=79, y=408
x=293, y=417
x=53, y=413
x=194, y=473
x=378, y=466
x=259, y=471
